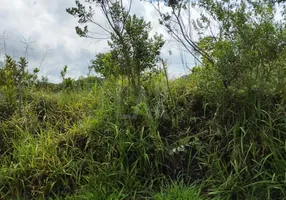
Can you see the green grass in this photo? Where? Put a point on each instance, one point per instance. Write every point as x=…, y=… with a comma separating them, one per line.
x=178, y=192
x=104, y=142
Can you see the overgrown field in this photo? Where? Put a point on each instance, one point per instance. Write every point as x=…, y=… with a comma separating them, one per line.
x=97, y=139
x=218, y=133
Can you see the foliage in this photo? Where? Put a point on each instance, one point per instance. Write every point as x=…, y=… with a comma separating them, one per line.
x=142, y=51
x=8, y=88
x=13, y=79
x=218, y=133
x=131, y=47
x=250, y=48
x=67, y=82
x=105, y=65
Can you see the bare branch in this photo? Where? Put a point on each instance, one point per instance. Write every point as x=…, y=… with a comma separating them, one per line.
x=176, y=27
x=2, y=37
x=44, y=56
x=27, y=44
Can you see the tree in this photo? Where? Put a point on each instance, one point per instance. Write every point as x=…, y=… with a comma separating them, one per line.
x=248, y=43
x=105, y=65
x=251, y=44
x=13, y=79
x=177, y=17
x=143, y=51
x=131, y=47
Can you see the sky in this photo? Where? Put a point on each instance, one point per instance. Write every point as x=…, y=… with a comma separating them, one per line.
x=43, y=32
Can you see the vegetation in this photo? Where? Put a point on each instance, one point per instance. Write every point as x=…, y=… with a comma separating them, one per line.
x=218, y=133
x=131, y=47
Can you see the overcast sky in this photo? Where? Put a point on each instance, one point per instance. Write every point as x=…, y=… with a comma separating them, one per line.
x=53, y=43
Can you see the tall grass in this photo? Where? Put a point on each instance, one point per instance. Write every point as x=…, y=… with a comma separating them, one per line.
x=189, y=140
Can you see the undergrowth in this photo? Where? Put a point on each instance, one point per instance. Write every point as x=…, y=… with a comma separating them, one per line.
x=103, y=141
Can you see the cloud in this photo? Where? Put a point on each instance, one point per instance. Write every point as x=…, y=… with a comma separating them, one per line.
x=50, y=29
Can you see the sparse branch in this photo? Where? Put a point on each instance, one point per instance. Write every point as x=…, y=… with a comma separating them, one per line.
x=99, y=25
x=27, y=44
x=174, y=23
x=190, y=42
x=44, y=56
x=2, y=37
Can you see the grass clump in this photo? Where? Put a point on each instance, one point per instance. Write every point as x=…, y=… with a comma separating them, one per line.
x=177, y=192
